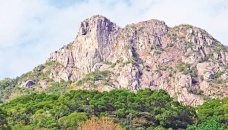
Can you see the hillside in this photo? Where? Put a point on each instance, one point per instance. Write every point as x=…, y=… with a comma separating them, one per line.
x=113, y=110
x=184, y=60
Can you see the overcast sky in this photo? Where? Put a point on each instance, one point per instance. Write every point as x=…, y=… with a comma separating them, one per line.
x=31, y=29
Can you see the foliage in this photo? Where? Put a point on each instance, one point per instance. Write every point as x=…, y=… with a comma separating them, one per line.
x=218, y=50
x=189, y=44
x=71, y=121
x=174, y=37
x=218, y=74
x=144, y=109
x=3, y=121
x=211, y=124
x=6, y=87
x=170, y=45
x=108, y=62
x=9, y=87
x=112, y=65
x=215, y=107
x=157, y=52
x=195, y=91
x=94, y=76
x=183, y=67
x=52, y=63
x=59, y=88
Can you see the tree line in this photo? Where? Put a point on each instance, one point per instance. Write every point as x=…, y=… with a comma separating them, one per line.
x=78, y=109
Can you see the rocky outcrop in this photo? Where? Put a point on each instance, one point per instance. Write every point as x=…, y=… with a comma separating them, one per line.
x=28, y=84
x=185, y=61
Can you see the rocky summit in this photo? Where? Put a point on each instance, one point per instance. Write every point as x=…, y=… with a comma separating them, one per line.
x=186, y=61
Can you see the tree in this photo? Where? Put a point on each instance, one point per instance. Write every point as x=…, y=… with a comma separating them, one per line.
x=43, y=119
x=215, y=107
x=211, y=124
x=71, y=121
x=3, y=121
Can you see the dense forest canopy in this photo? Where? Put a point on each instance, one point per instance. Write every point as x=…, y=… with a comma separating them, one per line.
x=122, y=109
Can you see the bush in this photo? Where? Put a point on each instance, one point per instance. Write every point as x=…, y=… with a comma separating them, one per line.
x=211, y=124
x=3, y=121
x=189, y=44
x=183, y=67
x=157, y=52
x=108, y=63
x=72, y=121
x=218, y=74
x=171, y=45
x=94, y=76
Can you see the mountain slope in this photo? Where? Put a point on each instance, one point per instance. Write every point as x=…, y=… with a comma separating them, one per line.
x=185, y=61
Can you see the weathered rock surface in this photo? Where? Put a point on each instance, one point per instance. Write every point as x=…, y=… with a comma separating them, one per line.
x=146, y=55
x=28, y=84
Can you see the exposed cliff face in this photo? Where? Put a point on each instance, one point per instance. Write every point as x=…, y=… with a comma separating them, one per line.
x=185, y=61
x=92, y=45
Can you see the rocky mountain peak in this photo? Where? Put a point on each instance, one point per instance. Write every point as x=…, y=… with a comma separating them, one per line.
x=156, y=26
x=184, y=60
x=96, y=24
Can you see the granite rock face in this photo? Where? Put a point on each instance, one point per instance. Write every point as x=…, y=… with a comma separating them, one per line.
x=185, y=61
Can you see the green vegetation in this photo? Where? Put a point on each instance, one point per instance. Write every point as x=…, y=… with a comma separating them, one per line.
x=133, y=60
x=152, y=47
x=94, y=76
x=189, y=44
x=111, y=64
x=59, y=88
x=170, y=45
x=181, y=67
x=6, y=87
x=195, y=91
x=174, y=37
x=72, y=120
x=145, y=109
x=185, y=69
x=157, y=52
x=211, y=124
x=108, y=63
x=188, y=26
x=217, y=79
x=218, y=74
x=70, y=45
x=3, y=121
x=218, y=50
x=10, y=86
x=215, y=107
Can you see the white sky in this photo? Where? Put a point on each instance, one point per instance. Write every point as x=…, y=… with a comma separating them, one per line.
x=31, y=29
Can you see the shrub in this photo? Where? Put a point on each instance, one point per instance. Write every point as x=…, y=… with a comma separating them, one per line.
x=189, y=44
x=217, y=50
x=183, y=67
x=171, y=45
x=72, y=120
x=158, y=52
x=94, y=76
x=218, y=74
x=108, y=62
x=174, y=37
